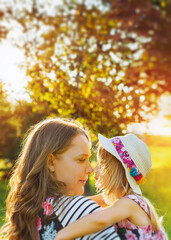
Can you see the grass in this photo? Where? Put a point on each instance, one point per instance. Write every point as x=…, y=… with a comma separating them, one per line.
x=158, y=188
x=3, y=196
x=158, y=191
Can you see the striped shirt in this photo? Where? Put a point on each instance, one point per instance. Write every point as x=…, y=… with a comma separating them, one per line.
x=68, y=210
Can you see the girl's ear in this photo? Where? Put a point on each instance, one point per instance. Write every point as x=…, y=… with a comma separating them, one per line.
x=50, y=162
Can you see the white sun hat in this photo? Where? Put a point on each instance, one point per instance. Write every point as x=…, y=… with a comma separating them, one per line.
x=134, y=155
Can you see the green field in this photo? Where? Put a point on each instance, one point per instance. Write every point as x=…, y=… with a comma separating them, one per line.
x=3, y=195
x=157, y=188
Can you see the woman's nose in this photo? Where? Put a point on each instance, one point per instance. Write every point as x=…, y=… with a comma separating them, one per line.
x=89, y=169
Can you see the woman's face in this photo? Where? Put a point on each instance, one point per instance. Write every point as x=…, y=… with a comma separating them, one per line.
x=73, y=166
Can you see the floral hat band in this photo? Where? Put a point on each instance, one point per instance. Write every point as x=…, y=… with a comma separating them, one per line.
x=127, y=160
x=134, y=155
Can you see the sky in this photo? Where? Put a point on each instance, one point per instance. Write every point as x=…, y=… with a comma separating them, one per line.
x=11, y=73
x=15, y=80
x=158, y=125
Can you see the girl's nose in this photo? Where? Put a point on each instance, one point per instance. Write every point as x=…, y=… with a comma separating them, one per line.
x=96, y=169
x=89, y=169
x=96, y=172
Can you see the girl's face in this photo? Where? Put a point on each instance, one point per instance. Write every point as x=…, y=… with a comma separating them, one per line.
x=100, y=175
x=96, y=172
x=97, y=176
x=73, y=166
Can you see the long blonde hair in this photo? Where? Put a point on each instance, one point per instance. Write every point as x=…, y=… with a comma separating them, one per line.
x=113, y=179
x=32, y=182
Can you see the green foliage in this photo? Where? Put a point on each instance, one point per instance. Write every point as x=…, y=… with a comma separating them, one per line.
x=14, y=122
x=8, y=132
x=105, y=64
x=25, y=116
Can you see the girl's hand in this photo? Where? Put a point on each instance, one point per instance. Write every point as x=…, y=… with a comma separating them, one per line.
x=59, y=236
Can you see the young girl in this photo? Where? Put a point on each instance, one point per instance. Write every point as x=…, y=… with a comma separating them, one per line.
x=123, y=163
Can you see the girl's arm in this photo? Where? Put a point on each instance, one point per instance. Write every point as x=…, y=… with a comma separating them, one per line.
x=94, y=222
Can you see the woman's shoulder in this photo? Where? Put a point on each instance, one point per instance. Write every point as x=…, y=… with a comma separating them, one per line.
x=69, y=208
x=77, y=200
x=79, y=206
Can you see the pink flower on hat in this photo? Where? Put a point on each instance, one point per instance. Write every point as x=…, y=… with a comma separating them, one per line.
x=128, y=161
x=115, y=140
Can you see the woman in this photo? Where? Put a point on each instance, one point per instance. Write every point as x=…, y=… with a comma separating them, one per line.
x=47, y=182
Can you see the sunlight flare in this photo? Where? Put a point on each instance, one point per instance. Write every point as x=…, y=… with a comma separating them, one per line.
x=12, y=74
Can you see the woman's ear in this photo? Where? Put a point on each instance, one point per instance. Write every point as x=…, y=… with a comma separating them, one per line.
x=50, y=162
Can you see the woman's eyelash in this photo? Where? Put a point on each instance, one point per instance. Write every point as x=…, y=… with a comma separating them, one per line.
x=82, y=160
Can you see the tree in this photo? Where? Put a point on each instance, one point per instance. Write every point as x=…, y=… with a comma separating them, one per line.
x=25, y=116
x=8, y=129
x=15, y=120
x=105, y=64
x=3, y=28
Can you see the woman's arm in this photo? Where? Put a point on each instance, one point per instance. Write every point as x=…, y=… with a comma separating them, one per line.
x=94, y=222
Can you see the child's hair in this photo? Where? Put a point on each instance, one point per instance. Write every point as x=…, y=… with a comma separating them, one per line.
x=113, y=179
x=32, y=182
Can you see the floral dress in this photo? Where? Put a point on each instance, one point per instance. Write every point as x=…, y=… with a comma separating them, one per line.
x=47, y=228
x=127, y=230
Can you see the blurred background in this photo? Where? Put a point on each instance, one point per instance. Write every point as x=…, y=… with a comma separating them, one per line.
x=106, y=63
